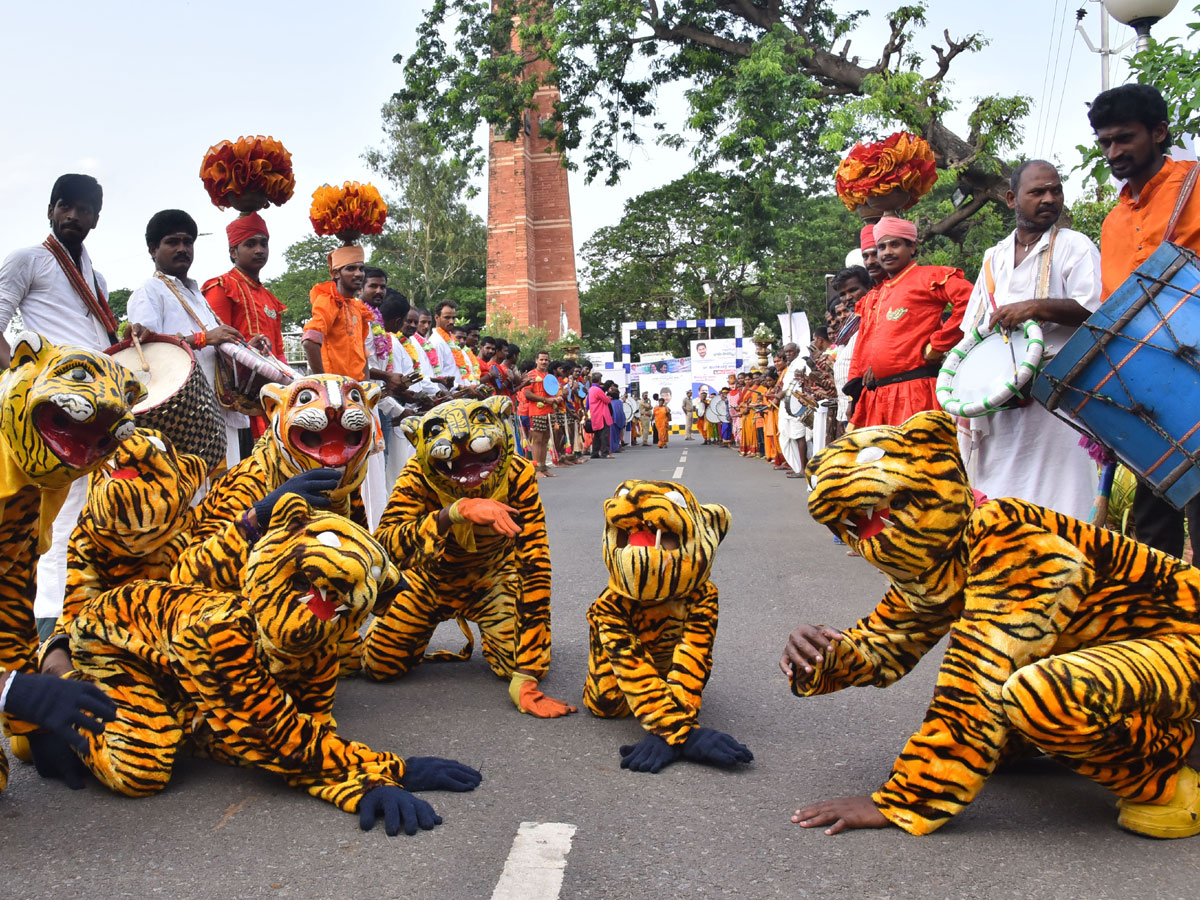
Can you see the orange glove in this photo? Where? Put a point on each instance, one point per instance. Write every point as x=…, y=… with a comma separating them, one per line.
x=523, y=690
x=482, y=511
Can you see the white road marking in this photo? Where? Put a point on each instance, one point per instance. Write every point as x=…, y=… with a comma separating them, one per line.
x=535, y=864
x=678, y=472
x=683, y=458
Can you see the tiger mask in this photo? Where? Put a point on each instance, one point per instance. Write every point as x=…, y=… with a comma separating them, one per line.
x=311, y=580
x=898, y=495
x=139, y=497
x=323, y=421
x=659, y=540
x=462, y=446
x=63, y=410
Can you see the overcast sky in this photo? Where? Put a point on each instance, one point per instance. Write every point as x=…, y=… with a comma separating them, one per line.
x=135, y=92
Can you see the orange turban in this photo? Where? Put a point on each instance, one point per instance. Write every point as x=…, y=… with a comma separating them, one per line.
x=893, y=226
x=345, y=256
x=866, y=238
x=245, y=227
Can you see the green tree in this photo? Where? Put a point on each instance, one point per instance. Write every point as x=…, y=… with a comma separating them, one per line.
x=1088, y=214
x=711, y=242
x=118, y=302
x=307, y=265
x=433, y=247
x=770, y=94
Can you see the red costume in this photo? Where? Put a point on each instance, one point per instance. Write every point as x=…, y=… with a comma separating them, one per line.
x=899, y=318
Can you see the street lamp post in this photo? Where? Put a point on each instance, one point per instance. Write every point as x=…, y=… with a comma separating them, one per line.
x=1139, y=15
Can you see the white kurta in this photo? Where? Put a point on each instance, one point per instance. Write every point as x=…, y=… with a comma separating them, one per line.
x=1029, y=453
x=383, y=469
x=791, y=429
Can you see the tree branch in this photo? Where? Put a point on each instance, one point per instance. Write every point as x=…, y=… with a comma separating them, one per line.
x=958, y=217
x=945, y=58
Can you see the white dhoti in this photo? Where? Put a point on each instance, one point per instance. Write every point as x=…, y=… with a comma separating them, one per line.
x=1033, y=455
x=52, y=567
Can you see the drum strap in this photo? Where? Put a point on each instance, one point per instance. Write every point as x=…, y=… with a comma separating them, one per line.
x=187, y=307
x=96, y=302
x=1043, y=282
x=1185, y=193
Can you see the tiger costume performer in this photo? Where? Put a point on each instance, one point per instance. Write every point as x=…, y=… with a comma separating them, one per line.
x=320, y=421
x=1080, y=641
x=651, y=632
x=63, y=411
x=246, y=680
x=465, y=520
x=136, y=522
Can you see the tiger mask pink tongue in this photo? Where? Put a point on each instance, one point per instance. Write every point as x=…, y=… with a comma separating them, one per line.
x=641, y=538
x=869, y=527
x=320, y=607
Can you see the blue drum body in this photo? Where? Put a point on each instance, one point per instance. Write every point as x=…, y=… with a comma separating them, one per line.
x=1130, y=375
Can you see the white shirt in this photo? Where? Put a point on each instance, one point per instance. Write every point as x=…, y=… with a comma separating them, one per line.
x=790, y=427
x=446, y=363
x=1074, y=274
x=156, y=306
x=32, y=281
x=401, y=363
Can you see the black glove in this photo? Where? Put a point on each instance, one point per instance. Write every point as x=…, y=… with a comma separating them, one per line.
x=54, y=758
x=650, y=754
x=432, y=773
x=396, y=805
x=706, y=745
x=312, y=486
x=59, y=705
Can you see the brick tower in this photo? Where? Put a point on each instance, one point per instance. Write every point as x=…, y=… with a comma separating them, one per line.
x=531, y=250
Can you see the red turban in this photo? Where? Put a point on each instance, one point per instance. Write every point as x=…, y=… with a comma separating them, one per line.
x=866, y=238
x=245, y=227
x=893, y=226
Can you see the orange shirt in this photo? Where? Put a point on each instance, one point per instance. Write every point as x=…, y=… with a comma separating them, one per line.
x=662, y=415
x=341, y=325
x=1135, y=228
x=247, y=306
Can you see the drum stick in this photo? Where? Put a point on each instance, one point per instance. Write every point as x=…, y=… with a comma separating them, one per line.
x=137, y=345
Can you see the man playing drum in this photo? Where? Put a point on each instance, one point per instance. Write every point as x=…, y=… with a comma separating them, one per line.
x=62, y=298
x=1131, y=128
x=171, y=303
x=1052, y=275
x=903, y=335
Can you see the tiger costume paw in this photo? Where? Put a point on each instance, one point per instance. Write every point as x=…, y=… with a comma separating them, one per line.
x=432, y=773
x=524, y=693
x=707, y=745
x=651, y=754
x=399, y=809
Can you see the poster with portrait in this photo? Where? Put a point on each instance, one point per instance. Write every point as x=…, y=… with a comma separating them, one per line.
x=713, y=361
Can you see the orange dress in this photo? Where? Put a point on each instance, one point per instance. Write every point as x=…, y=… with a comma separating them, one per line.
x=662, y=424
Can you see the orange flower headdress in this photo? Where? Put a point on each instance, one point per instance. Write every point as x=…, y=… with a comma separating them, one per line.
x=248, y=174
x=349, y=211
x=891, y=174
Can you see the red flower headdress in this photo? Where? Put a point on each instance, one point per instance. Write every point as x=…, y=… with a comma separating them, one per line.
x=348, y=211
x=248, y=174
x=903, y=162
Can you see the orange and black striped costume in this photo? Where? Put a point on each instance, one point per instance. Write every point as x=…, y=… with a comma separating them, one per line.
x=63, y=411
x=470, y=572
x=651, y=632
x=1078, y=640
x=247, y=680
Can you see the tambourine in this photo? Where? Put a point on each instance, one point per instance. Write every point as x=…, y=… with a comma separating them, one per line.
x=551, y=386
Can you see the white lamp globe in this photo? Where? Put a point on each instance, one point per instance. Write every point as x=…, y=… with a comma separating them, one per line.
x=1132, y=12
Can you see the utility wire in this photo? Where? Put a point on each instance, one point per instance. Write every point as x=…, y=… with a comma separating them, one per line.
x=1063, y=93
x=1054, y=75
x=1045, y=78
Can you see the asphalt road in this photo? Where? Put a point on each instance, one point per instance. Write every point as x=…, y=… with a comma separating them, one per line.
x=690, y=831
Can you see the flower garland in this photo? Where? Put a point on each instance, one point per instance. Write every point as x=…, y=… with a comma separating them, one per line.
x=381, y=340
x=903, y=162
x=248, y=174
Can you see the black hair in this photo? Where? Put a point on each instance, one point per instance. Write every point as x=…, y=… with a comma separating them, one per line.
x=1014, y=180
x=1130, y=103
x=374, y=272
x=422, y=312
x=540, y=352
x=822, y=332
x=442, y=304
x=169, y=221
x=488, y=339
x=512, y=348
x=851, y=273
x=72, y=189
x=394, y=306
x=525, y=365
